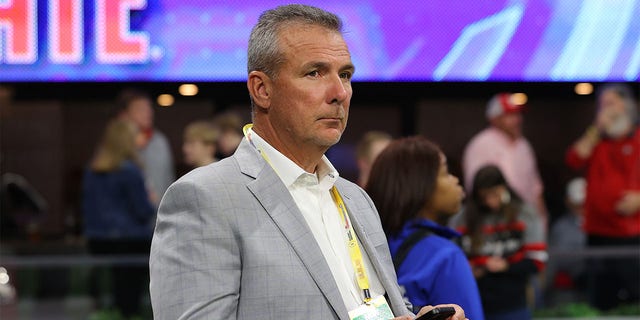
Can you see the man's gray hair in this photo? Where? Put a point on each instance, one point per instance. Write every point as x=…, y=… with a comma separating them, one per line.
x=264, y=52
x=625, y=93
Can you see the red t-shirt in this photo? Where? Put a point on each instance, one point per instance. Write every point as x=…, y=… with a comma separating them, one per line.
x=612, y=169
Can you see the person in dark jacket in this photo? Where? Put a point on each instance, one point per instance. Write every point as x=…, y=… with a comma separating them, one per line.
x=117, y=210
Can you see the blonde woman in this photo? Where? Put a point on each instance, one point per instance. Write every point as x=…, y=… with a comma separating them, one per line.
x=117, y=210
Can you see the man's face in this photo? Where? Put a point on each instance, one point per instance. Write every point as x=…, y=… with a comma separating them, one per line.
x=613, y=117
x=612, y=102
x=510, y=123
x=312, y=91
x=140, y=111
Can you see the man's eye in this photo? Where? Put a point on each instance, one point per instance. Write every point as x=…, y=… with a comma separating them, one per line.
x=346, y=75
x=314, y=73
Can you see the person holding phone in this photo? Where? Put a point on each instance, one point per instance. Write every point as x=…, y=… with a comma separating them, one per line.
x=273, y=231
x=412, y=189
x=504, y=240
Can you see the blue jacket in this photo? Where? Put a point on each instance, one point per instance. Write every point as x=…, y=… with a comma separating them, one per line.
x=116, y=204
x=436, y=271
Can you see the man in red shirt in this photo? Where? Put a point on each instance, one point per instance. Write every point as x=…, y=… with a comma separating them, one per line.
x=609, y=152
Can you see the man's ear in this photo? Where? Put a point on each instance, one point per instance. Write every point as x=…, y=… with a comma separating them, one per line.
x=259, y=85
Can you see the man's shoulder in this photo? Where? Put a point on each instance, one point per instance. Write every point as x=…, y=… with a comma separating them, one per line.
x=486, y=136
x=526, y=143
x=159, y=134
x=356, y=194
x=490, y=134
x=157, y=142
x=159, y=137
x=347, y=186
x=342, y=182
x=221, y=173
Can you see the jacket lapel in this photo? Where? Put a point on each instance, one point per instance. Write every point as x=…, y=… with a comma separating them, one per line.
x=388, y=281
x=277, y=201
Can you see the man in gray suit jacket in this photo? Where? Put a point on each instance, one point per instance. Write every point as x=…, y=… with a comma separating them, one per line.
x=269, y=232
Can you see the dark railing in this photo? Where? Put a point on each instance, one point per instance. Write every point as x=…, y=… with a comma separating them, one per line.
x=41, y=272
x=73, y=260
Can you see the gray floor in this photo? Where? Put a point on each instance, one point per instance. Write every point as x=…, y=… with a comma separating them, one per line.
x=69, y=308
x=53, y=309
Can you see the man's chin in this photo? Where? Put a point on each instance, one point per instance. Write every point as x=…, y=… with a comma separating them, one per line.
x=329, y=140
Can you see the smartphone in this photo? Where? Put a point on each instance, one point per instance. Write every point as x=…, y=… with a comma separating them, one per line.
x=440, y=313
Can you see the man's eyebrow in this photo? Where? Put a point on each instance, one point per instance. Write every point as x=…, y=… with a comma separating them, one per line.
x=349, y=66
x=316, y=65
x=324, y=65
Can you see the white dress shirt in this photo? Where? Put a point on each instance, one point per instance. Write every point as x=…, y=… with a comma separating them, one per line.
x=311, y=193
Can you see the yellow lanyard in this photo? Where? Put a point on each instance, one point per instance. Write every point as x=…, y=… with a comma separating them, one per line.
x=245, y=130
x=354, y=248
x=352, y=241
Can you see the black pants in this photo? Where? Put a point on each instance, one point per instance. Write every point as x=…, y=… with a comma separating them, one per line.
x=129, y=282
x=613, y=281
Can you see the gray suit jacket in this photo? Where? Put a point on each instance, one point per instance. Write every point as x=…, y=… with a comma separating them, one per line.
x=230, y=243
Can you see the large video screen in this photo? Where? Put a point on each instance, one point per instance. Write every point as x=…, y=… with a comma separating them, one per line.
x=432, y=40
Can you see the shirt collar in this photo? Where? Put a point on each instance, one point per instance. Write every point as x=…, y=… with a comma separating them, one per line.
x=288, y=171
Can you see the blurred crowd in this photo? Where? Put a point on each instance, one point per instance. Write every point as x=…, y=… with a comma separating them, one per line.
x=130, y=171
x=485, y=234
x=502, y=228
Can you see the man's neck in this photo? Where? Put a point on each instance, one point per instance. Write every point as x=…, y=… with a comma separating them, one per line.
x=512, y=138
x=305, y=157
x=623, y=136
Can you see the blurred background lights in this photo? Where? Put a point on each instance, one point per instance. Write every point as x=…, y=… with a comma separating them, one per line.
x=188, y=89
x=165, y=100
x=519, y=98
x=4, y=276
x=584, y=88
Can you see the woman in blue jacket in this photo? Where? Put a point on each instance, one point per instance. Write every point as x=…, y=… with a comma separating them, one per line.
x=117, y=210
x=412, y=189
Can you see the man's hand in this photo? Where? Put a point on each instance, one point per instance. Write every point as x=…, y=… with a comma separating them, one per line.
x=605, y=117
x=585, y=145
x=459, y=315
x=629, y=204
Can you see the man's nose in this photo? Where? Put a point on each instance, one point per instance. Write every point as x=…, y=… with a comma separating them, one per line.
x=337, y=91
